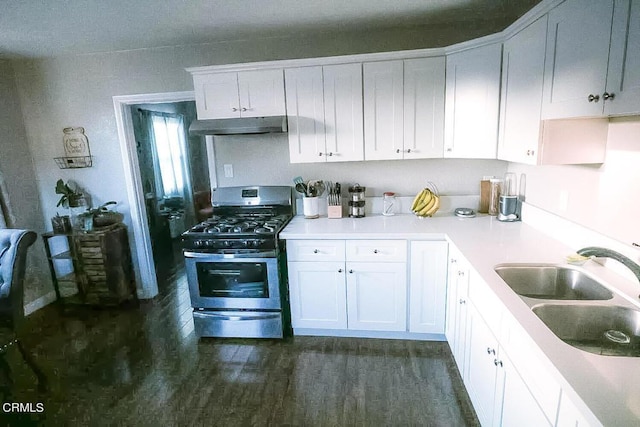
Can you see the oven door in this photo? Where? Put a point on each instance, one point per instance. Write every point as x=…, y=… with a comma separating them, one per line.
x=246, y=281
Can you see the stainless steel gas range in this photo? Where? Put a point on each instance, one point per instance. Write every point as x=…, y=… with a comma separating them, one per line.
x=236, y=265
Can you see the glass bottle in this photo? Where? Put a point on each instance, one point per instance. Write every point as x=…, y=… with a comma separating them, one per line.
x=389, y=204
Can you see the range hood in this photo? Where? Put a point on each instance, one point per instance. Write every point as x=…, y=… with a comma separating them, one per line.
x=239, y=126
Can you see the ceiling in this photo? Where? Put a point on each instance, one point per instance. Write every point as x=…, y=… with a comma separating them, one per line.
x=36, y=28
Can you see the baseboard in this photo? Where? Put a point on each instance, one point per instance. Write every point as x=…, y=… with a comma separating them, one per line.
x=368, y=334
x=37, y=304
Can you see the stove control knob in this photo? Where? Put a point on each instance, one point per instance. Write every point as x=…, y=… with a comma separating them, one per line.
x=227, y=243
x=198, y=243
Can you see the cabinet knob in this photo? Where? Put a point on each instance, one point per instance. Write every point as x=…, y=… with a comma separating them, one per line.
x=398, y=150
x=530, y=152
x=339, y=270
x=491, y=351
x=409, y=150
x=234, y=109
x=460, y=273
x=350, y=271
x=608, y=96
x=375, y=251
x=453, y=260
x=462, y=301
x=315, y=251
x=244, y=109
x=593, y=98
x=320, y=154
x=497, y=362
x=330, y=153
x=449, y=150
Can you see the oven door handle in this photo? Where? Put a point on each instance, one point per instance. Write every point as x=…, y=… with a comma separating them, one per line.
x=234, y=317
x=214, y=257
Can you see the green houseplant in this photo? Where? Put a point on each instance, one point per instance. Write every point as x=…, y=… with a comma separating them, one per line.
x=102, y=216
x=69, y=197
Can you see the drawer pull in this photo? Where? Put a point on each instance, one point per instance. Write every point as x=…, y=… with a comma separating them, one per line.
x=350, y=271
x=339, y=270
x=315, y=251
x=497, y=362
x=375, y=251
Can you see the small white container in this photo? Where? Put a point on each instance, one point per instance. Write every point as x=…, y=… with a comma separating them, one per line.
x=311, y=207
x=389, y=204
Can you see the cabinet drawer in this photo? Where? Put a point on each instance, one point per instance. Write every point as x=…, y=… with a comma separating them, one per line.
x=315, y=250
x=377, y=250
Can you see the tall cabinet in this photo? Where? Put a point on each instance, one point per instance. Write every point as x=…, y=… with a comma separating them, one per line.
x=472, y=100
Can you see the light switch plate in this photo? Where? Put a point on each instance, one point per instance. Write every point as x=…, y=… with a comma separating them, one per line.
x=228, y=171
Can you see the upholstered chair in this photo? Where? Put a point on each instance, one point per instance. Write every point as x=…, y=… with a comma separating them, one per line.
x=13, y=253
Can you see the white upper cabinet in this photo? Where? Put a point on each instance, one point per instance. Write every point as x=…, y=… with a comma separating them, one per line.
x=577, y=55
x=623, y=77
x=472, y=102
x=404, y=109
x=383, y=110
x=305, y=114
x=424, y=82
x=343, y=112
x=521, y=97
x=256, y=93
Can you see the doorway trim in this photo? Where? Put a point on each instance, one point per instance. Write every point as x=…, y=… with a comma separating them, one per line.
x=143, y=255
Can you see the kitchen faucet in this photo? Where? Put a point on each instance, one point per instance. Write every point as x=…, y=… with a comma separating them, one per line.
x=608, y=253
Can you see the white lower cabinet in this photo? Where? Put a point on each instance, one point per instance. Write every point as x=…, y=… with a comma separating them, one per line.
x=427, y=287
x=317, y=292
x=377, y=296
x=457, y=291
x=366, y=285
x=498, y=393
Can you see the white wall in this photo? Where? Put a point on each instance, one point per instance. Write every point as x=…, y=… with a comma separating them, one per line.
x=17, y=168
x=264, y=159
x=604, y=198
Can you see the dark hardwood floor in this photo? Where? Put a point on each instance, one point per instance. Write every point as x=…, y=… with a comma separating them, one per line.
x=143, y=366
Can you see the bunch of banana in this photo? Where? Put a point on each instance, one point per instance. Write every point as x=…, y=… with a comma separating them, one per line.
x=426, y=203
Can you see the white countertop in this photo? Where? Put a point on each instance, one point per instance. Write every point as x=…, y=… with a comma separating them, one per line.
x=609, y=385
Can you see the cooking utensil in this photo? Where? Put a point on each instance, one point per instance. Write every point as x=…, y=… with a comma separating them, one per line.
x=301, y=187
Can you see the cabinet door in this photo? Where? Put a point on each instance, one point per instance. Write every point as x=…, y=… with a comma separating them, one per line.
x=576, y=62
x=515, y=405
x=305, y=114
x=522, y=79
x=427, y=287
x=377, y=296
x=480, y=375
x=317, y=295
x=343, y=112
x=623, y=78
x=216, y=95
x=261, y=93
x=457, y=308
x=424, y=82
x=473, y=96
x=383, y=105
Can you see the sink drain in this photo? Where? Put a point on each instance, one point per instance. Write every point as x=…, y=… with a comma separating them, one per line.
x=617, y=337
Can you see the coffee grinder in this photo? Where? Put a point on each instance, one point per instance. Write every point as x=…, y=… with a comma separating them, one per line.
x=509, y=201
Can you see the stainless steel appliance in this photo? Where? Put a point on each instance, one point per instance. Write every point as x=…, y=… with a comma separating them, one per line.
x=236, y=265
x=509, y=202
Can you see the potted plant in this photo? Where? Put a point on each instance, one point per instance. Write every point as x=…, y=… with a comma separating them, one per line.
x=69, y=197
x=102, y=216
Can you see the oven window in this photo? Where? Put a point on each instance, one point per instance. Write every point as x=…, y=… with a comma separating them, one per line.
x=233, y=279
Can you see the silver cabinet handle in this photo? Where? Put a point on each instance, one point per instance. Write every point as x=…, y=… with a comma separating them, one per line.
x=461, y=273
x=608, y=96
x=462, y=301
x=453, y=260
x=244, y=109
x=593, y=98
x=234, y=109
x=530, y=152
x=491, y=351
x=497, y=362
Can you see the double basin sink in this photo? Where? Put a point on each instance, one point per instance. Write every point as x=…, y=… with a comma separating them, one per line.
x=576, y=307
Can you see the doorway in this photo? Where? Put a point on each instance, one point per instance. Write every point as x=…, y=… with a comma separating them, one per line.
x=173, y=170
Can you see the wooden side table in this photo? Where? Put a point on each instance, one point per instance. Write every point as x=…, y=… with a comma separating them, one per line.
x=102, y=265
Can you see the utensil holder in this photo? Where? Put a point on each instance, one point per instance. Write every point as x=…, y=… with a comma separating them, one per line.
x=310, y=207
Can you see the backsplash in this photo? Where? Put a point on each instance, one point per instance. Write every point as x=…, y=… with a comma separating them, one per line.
x=264, y=159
